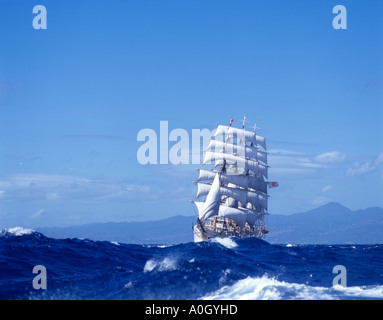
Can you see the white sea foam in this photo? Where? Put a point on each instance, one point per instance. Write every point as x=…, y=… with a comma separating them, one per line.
x=16, y=231
x=265, y=288
x=166, y=264
x=226, y=242
x=223, y=276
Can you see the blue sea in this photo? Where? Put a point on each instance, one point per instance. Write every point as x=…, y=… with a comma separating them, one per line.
x=229, y=269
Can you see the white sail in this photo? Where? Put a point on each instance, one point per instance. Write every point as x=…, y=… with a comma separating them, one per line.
x=253, y=216
x=237, y=194
x=244, y=181
x=238, y=215
x=242, y=164
x=212, y=202
x=206, y=175
x=242, y=151
x=202, y=190
x=199, y=205
x=259, y=201
x=231, y=202
x=261, y=141
x=243, y=196
x=248, y=135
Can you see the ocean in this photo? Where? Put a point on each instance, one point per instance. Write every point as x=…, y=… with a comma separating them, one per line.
x=228, y=269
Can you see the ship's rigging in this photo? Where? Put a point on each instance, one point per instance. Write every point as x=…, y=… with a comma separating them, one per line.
x=232, y=197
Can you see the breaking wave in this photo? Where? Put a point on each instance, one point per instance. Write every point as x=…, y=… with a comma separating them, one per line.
x=16, y=231
x=265, y=288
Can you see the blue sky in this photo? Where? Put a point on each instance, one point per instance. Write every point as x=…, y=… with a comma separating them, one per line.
x=74, y=96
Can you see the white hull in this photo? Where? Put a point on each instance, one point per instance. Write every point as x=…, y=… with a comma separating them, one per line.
x=207, y=233
x=198, y=236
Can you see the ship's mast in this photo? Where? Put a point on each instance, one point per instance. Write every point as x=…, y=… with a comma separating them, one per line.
x=243, y=123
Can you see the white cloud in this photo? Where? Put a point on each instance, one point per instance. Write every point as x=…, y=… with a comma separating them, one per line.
x=331, y=157
x=52, y=196
x=47, y=187
x=38, y=213
x=327, y=188
x=284, y=152
x=291, y=166
x=300, y=165
x=360, y=169
x=379, y=159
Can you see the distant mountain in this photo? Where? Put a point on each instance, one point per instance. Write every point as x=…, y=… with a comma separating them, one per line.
x=177, y=229
x=328, y=224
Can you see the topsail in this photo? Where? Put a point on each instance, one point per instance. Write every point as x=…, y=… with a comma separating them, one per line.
x=243, y=134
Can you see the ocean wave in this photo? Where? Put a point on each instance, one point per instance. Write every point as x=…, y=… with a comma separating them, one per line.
x=16, y=231
x=265, y=288
x=165, y=264
x=226, y=242
x=222, y=269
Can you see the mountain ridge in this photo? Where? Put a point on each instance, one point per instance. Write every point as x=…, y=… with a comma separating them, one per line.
x=331, y=223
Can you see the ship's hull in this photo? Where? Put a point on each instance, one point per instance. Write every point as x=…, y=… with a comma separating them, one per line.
x=205, y=233
x=199, y=235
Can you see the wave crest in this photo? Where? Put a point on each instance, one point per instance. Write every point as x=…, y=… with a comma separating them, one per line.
x=265, y=288
x=16, y=231
x=166, y=264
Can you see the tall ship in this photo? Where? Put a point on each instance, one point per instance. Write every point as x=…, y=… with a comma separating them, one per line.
x=232, y=195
